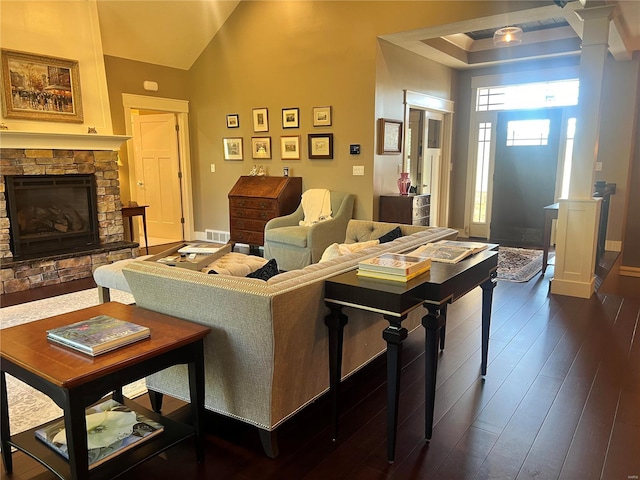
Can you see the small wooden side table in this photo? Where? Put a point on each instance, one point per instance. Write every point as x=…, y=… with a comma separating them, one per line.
x=75, y=381
x=130, y=212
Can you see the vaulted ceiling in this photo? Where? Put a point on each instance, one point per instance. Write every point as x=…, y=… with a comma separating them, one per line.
x=174, y=33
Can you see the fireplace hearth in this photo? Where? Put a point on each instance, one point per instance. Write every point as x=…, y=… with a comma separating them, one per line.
x=63, y=236
x=51, y=213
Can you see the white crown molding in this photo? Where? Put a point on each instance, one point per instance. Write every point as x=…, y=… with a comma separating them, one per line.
x=63, y=141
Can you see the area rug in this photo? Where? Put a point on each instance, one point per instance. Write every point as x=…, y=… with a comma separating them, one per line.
x=518, y=264
x=28, y=407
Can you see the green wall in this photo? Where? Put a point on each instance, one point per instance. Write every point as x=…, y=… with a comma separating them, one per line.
x=127, y=76
x=304, y=54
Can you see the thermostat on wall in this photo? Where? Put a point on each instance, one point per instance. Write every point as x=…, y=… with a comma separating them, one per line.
x=354, y=149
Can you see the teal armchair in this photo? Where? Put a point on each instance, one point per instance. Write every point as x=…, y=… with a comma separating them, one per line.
x=294, y=246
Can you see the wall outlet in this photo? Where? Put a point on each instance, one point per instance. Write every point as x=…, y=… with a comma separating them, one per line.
x=213, y=168
x=358, y=169
x=598, y=166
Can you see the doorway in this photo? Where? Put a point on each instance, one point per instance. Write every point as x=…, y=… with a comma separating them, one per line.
x=427, y=151
x=524, y=180
x=162, y=131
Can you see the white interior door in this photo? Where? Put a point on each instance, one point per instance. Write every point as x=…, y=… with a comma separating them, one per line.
x=157, y=175
x=432, y=162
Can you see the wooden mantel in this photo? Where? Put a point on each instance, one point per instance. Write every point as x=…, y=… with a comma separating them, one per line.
x=60, y=141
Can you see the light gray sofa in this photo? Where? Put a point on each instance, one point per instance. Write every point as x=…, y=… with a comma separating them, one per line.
x=267, y=355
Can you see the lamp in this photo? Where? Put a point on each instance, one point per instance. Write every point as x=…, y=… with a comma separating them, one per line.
x=507, y=36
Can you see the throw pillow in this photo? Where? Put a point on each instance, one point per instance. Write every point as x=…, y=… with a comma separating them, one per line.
x=265, y=272
x=391, y=236
x=336, y=250
x=331, y=252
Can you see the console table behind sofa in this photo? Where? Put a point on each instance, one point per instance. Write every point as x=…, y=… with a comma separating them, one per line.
x=265, y=333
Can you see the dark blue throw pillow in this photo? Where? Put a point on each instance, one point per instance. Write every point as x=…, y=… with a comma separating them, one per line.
x=265, y=272
x=391, y=236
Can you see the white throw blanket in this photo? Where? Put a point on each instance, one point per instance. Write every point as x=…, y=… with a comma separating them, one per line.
x=316, y=205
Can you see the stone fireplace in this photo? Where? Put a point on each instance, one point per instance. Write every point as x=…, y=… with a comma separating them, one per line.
x=50, y=262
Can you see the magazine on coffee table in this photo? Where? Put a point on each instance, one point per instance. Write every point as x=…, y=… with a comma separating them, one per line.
x=98, y=334
x=112, y=428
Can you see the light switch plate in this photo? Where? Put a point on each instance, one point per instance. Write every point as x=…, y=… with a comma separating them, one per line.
x=213, y=168
x=358, y=169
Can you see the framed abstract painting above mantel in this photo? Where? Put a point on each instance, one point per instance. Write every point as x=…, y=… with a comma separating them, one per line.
x=38, y=87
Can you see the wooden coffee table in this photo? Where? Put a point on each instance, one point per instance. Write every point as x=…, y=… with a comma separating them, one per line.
x=75, y=381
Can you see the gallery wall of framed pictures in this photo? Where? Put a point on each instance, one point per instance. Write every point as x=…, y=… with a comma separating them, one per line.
x=320, y=144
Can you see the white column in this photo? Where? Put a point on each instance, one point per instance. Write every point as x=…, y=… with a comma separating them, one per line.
x=579, y=215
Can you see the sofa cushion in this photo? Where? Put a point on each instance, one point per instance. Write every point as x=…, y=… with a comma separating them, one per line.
x=265, y=272
x=391, y=236
x=293, y=235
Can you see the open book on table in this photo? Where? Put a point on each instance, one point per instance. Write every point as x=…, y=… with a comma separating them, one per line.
x=112, y=428
x=448, y=251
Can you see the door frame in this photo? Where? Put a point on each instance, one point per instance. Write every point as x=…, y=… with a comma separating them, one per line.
x=439, y=214
x=180, y=108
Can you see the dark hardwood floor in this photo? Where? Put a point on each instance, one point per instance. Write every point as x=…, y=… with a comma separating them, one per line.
x=561, y=400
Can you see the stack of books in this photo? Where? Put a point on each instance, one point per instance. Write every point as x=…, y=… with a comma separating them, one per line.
x=98, y=334
x=393, y=266
x=112, y=428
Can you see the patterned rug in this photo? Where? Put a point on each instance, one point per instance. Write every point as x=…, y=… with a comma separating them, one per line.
x=518, y=264
x=29, y=407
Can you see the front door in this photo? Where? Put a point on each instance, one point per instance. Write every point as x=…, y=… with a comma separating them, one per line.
x=524, y=180
x=157, y=175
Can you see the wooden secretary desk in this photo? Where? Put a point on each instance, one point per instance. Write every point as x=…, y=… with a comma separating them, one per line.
x=254, y=200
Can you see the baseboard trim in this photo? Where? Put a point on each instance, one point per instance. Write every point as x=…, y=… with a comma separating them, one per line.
x=629, y=271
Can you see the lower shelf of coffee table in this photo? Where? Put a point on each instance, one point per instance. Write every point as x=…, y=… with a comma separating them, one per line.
x=173, y=433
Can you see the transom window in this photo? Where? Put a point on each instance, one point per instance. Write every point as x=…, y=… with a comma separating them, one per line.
x=530, y=95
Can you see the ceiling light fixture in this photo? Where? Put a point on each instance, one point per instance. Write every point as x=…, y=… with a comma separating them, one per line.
x=507, y=36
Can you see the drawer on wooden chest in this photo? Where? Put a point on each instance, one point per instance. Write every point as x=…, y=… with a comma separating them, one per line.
x=251, y=214
x=247, y=224
x=244, y=236
x=259, y=203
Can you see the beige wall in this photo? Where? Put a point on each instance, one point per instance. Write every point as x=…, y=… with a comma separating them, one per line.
x=305, y=54
x=619, y=105
x=631, y=245
x=128, y=76
x=64, y=29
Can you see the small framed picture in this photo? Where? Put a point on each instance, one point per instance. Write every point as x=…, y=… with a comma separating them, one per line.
x=232, y=148
x=233, y=121
x=389, y=136
x=290, y=147
x=261, y=147
x=260, y=120
x=321, y=146
x=321, y=116
x=290, y=118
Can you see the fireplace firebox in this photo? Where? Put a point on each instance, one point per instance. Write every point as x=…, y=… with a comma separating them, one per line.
x=51, y=213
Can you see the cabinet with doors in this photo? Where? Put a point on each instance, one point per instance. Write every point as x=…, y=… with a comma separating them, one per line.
x=412, y=209
x=254, y=200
